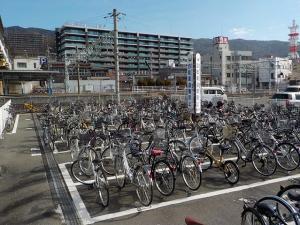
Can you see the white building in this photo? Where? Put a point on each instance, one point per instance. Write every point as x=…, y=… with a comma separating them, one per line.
x=229, y=68
x=274, y=72
x=25, y=63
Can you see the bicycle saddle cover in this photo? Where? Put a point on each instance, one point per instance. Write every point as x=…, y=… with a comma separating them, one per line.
x=191, y=221
x=266, y=209
x=294, y=196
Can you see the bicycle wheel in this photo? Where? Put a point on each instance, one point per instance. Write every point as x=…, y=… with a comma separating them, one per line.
x=264, y=160
x=233, y=152
x=85, y=159
x=250, y=216
x=179, y=147
x=196, y=144
x=163, y=177
x=102, y=187
x=290, y=194
x=144, y=186
x=74, y=148
x=191, y=173
x=287, y=156
x=79, y=175
x=231, y=172
x=107, y=161
x=205, y=160
x=119, y=171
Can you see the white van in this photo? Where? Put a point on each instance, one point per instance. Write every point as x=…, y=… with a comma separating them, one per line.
x=286, y=99
x=213, y=94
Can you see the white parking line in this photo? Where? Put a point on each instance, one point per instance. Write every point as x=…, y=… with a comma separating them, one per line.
x=80, y=207
x=16, y=124
x=54, y=152
x=29, y=128
x=87, y=219
x=35, y=152
x=191, y=198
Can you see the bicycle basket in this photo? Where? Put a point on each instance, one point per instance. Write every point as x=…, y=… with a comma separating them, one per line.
x=228, y=131
x=160, y=138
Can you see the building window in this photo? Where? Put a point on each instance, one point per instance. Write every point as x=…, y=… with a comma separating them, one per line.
x=228, y=58
x=34, y=65
x=228, y=74
x=272, y=75
x=21, y=65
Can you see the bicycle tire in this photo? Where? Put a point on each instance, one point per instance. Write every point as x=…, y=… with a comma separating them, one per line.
x=205, y=160
x=284, y=194
x=102, y=187
x=230, y=168
x=85, y=158
x=281, y=154
x=256, y=218
x=187, y=163
x=79, y=175
x=257, y=153
x=107, y=161
x=233, y=153
x=196, y=145
x=144, y=186
x=159, y=178
x=119, y=171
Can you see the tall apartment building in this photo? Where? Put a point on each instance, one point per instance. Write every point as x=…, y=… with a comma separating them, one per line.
x=228, y=68
x=139, y=53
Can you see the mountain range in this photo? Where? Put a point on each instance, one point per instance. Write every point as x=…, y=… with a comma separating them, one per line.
x=202, y=45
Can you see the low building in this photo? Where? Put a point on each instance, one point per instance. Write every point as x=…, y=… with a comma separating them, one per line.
x=228, y=68
x=273, y=72
x=28, y=63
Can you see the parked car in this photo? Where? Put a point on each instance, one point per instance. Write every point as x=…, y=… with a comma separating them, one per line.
x=286, y=99
x=293, y=88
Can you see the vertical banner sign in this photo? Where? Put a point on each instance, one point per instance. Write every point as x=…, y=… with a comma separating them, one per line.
x=190, y=81
x=198, y=83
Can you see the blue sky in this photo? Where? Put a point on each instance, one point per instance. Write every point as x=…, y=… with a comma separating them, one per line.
x=247, y=19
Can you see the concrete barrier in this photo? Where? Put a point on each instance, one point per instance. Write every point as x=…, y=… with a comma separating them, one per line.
x=4, y=114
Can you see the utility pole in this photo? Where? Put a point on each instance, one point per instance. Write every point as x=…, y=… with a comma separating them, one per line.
x=115, y=16
x=78, y=69
x=66, y=75
x=151, y=75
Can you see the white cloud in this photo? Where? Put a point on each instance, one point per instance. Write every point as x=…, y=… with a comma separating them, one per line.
x=241, y=32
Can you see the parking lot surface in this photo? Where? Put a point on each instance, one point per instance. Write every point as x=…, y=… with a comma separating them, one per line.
x=28, y=194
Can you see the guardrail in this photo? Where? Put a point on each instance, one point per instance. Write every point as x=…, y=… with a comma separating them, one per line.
x=4, y=114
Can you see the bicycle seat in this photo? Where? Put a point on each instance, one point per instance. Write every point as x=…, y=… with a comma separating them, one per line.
x=294, y=196
x=266, y=209
x=191, y=221
x=96, y=161
x=278, y=136
x=156, y=152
